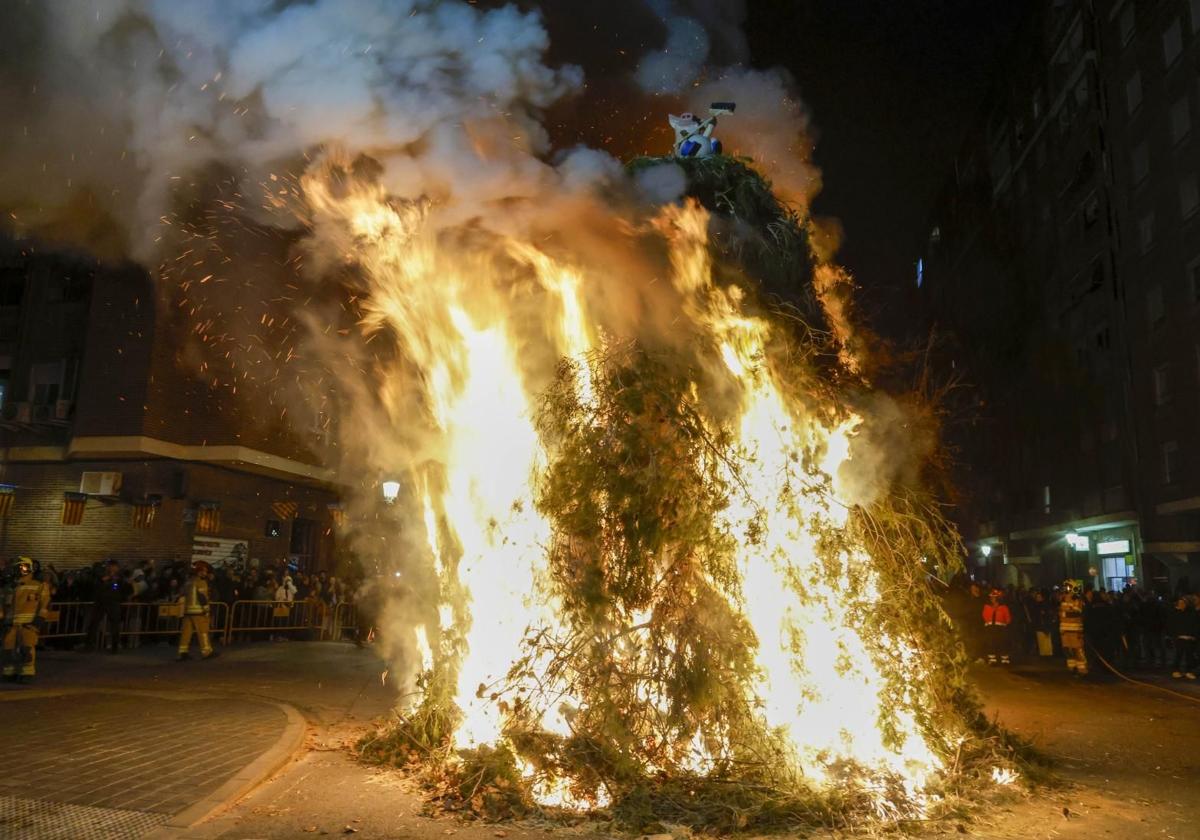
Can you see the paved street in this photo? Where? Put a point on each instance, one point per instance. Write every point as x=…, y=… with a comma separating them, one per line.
x=120, y=746
x=127, y=752
x=1129, y=755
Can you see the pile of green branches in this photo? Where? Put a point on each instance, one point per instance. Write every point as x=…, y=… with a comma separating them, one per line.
x=651, y=649
x=652, y=661
x=756, y=235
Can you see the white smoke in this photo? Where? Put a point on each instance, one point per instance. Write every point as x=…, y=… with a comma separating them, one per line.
x=704, y=60
x=446, y=95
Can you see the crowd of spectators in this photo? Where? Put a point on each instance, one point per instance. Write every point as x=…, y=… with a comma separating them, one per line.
x=99, y=597
x=1134, y=628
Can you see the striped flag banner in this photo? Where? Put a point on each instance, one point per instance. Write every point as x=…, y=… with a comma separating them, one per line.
x=208, y=518
x=285, y=510
x=8, y=494
x=338, y=514
x=144, y=511
x=72, y=509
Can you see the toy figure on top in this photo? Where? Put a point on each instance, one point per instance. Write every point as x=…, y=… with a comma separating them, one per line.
x=693, y=136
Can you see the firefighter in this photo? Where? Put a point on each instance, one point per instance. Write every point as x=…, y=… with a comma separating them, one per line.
x=195, y=612
x=996, y=618
x=1070, y=628
x=24, y=616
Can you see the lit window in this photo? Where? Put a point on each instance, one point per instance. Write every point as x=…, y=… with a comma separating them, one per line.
x=1046, y=498
x=1146, y=232
x=920, y=271
x=1181, y=120
x=1127, y=23
x=1189, y=197
x=1162, y=385
x=1133, y=93
x=1155, y=314
x=1140, y=163
x=1170, y=462
x=1172, y=41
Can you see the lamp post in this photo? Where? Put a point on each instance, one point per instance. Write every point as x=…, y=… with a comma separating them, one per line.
x=391, y=489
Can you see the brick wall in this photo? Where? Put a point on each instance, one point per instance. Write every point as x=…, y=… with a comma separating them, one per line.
x=33, y=526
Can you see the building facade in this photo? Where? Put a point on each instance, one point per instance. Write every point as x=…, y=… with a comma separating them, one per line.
x=1060, y=272
x=115, y=443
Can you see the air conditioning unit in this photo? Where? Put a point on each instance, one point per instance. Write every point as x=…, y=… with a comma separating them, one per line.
x=100, y=483
x=23, y=413
x=62, y=410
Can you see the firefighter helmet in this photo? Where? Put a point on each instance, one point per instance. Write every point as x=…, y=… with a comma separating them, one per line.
x=25, y=565
x=202, y=566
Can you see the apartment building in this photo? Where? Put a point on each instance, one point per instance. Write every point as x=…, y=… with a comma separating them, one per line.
x=1060, y=274
x=114, y=442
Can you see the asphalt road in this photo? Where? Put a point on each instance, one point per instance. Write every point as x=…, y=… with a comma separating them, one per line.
x=1129, y=755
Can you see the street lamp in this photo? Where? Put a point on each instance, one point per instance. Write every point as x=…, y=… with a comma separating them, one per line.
x=391, y=489
x=985, y=550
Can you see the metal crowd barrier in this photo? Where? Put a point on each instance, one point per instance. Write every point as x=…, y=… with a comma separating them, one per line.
x=272, y=617
x=66, y=619
x=70, y=619
x=345, y=617
x=140, y=619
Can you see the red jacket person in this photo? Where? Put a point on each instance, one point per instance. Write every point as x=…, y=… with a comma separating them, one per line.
x=996, y=618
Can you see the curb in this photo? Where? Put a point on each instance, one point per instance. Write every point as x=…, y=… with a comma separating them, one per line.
x=285, y=748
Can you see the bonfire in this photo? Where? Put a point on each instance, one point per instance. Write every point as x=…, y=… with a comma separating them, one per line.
x=659, y=597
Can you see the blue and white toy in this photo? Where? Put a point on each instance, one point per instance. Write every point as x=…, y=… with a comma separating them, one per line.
x=693, y=136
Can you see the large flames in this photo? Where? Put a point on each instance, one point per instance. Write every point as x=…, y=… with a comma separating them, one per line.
x=477, y=327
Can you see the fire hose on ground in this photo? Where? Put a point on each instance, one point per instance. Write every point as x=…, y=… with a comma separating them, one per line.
x=1113, y=668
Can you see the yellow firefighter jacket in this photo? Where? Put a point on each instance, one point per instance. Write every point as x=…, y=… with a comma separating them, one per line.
x=30, y=598
x=195, y=596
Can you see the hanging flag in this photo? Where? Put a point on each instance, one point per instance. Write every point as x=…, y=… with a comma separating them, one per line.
x=72, y=509
x=8, y=493
x=338, y=514
x=208, y=518
x=144, y=511
x=285, y=510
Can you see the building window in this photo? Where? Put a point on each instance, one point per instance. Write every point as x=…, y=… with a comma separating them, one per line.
x=1170, y=462
x=1155, y=314
x=1146, y=232
x=1172, y=41
x=1189, y=197
x=1162, y=385
x=1046, y=498
x=1126, y=23
x=1181, y=120
x=1133, y=93
x=1196, y=15
x=45, y=382
x=1140, y=163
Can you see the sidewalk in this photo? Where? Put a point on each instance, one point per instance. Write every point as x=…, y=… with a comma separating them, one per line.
x=137, y=744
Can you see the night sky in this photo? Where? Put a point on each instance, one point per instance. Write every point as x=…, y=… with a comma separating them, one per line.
x=892, y=86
